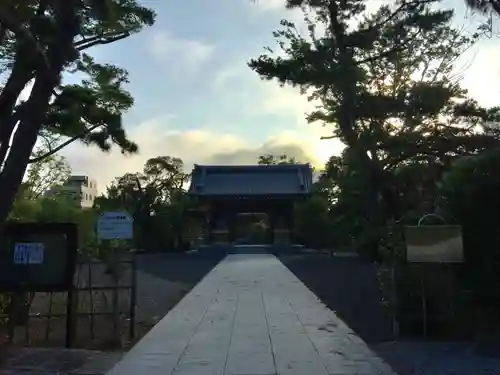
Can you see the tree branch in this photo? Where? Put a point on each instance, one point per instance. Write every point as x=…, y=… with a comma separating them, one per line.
x=64, y=144
x=3, y=33
x=24, y=34
x=495, y=4
x=404, y=6
x=389, y=52
x=101, y=39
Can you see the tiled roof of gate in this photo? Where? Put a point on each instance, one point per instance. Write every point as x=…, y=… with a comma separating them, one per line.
x=225, y=180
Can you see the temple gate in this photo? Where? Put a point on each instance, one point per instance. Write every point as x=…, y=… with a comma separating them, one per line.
x=227, y=191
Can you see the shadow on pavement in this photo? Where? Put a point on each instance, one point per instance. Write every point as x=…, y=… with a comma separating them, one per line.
x=186, y=268
x=347, y=286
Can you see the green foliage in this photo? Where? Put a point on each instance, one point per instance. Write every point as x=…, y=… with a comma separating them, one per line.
x=57, y=208
x=41, y=200
x=469, y=195
x=335, y=68
x=41, y=40
x=100, y=96
x=258, y=232
x=386, y=86
x=156, y=199
x=484, y=6
x=92, y=111
x=312, y=223
x=49, y=173
x=270, y=159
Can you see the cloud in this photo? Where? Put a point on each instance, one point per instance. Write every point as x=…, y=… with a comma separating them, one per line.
x=207, y=146
x=269, y=5
x=482, y=75
x=185, y=52
x=265, y=97
x=279, y=5
x=281, y=144
x=269, y=98
x=200, y=146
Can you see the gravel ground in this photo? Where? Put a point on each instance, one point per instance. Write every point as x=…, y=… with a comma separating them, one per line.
x=163, y=279
x=440, y=358
x=349, y=287
x=45, y=361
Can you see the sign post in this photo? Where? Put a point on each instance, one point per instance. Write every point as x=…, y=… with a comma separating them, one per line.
x=118, y=225
x=438, y=244
x=38, y=257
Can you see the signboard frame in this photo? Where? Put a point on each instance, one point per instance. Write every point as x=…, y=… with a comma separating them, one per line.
x=15, y=232
x=107, y=236
x=453, y=253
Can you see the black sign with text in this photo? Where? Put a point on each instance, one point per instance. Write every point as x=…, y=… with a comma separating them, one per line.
x=38, y=257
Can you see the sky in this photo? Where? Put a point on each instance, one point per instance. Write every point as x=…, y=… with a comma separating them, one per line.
x=196, y=99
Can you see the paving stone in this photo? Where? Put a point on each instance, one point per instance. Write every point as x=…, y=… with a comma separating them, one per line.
x=293, y=350
x=250, y=348
x=207, y=350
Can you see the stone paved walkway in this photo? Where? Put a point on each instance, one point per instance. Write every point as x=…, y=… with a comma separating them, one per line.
x=251, y=316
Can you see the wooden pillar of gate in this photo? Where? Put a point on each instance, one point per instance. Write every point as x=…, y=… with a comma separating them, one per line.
x=219, y=227
x=281, y=224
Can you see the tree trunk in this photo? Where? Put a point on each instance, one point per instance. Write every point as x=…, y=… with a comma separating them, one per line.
x=347, y=124
x=17, y=81
x=24, y=140
x=47, y=77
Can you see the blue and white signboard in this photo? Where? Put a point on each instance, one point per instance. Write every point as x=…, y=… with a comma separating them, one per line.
x=28, y=253
x=115, y=226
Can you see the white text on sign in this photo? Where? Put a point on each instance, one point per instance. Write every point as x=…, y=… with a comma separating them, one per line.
x=115, y=225
x=28, y=253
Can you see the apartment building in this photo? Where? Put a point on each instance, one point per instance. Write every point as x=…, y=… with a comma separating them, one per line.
x=82, y=188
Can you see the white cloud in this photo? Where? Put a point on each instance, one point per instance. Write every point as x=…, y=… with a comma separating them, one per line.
x=187, y=53
x=279, y=100
x=279, y=5
x=207, y=146
x=268, y=97
x=199, y=146
x=482, y=76
x=269, y=5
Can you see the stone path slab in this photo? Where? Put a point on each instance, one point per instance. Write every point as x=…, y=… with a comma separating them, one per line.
x=251, y=316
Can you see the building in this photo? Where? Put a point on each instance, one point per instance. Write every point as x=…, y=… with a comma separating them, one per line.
x=227, y=192
x=82, y=188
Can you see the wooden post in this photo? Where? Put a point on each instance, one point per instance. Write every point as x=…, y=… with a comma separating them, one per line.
x=91, y=299
x=12, y=323
x=133, y=297
x=70, y=317
x=424, y=303
x=49, y=320
x=115, y=307
x=395, y=322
